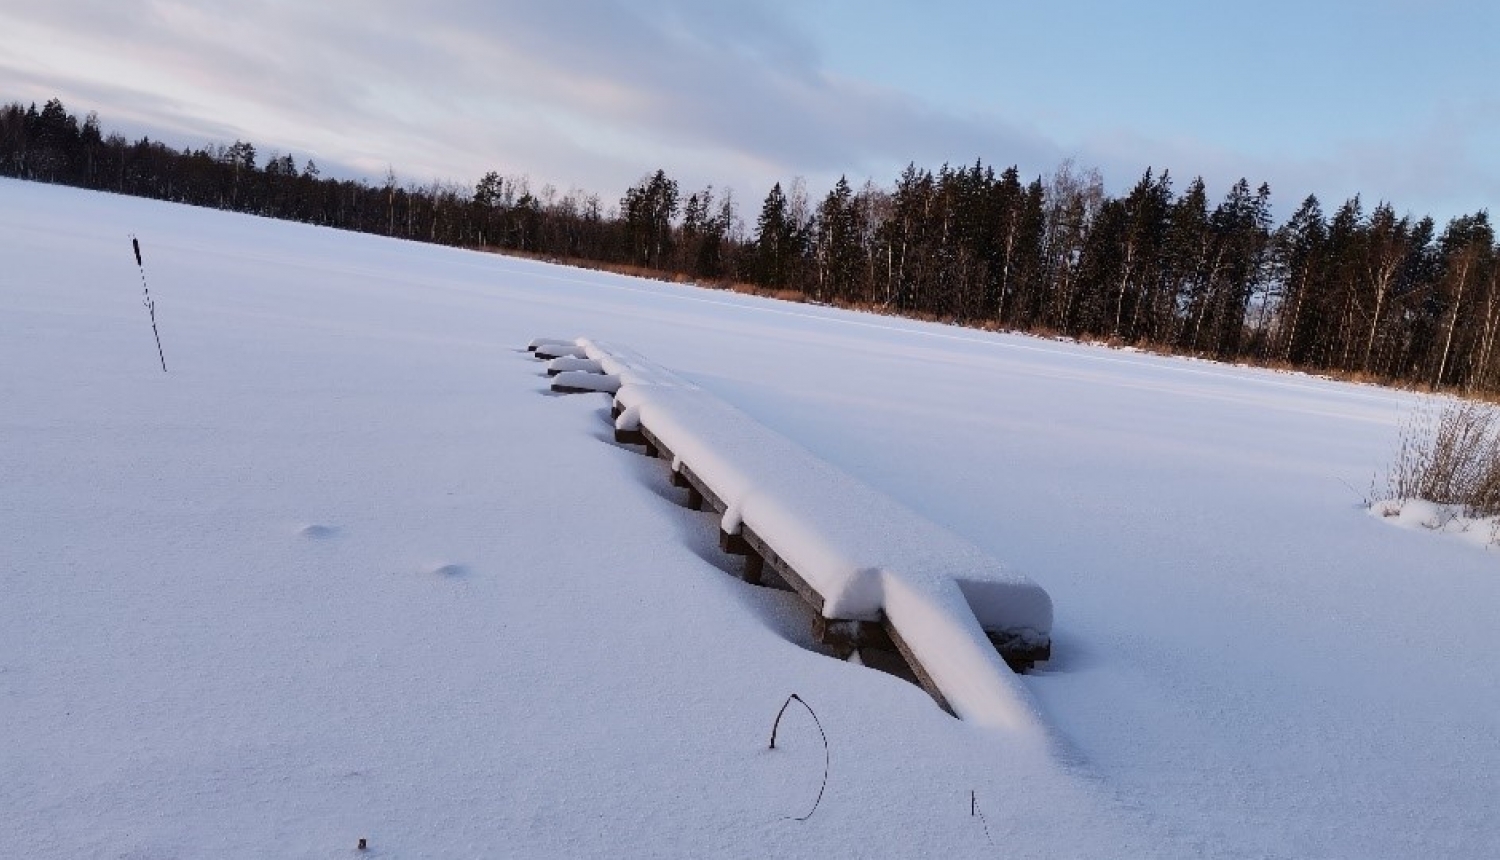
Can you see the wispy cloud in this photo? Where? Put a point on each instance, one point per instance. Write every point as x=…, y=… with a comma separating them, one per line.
x=1431, y=170
x=589, y=92
x=594, y=93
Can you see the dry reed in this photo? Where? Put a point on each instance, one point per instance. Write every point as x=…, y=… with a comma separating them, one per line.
x=1450, y=455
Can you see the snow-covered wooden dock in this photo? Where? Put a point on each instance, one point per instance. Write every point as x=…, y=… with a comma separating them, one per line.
x=876, y=574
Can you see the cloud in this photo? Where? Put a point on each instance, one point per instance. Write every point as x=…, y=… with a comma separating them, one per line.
x=595, y=94
x=591, y=93
x=1435, y=169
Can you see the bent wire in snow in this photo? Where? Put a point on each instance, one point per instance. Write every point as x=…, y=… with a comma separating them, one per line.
x=819, y=723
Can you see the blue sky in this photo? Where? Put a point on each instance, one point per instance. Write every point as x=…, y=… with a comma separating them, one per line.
x=1394, y=99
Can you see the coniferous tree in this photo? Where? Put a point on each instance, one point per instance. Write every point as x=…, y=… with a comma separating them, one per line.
x=648, y=209
x=1146, y=210
x=836, y=244
x=1297, y=251
x=777, y=240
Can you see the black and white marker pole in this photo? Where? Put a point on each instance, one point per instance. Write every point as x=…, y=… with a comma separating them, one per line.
x=146, y=300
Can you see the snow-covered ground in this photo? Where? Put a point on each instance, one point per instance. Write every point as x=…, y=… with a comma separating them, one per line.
x=348, y=570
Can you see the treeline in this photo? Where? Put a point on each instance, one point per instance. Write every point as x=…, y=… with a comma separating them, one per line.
x=1367, y=293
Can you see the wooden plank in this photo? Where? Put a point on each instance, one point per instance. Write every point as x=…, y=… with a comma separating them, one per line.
x=654, y=447
x=1019, y=656
x=733, y=544
x=917, y=668
x=784, y=570
x=629, y=437
x=846, y=636
x=755, y=569
x=690, y=478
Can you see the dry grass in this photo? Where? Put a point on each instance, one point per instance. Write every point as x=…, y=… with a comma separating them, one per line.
x=1450, y=455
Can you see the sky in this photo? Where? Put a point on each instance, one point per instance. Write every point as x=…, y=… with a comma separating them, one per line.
x=1392, y=99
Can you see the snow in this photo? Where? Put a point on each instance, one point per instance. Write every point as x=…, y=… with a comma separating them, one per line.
x=538, y=342
x=585, y=365
x=347, y=571
x=555, y=350
x=1452, y=520
x=580, y=380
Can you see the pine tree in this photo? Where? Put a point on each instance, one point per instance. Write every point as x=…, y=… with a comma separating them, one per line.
x=836, y=246
x=1297, y=251
x=648, y=209
x=776, y=240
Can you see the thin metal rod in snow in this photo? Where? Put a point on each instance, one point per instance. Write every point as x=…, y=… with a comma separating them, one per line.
x=819, y=723
x=148, y=302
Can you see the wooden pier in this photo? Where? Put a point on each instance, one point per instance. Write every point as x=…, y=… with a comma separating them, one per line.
x=764, y=565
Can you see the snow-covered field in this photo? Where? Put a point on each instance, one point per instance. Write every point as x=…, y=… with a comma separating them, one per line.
x=349, y=571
